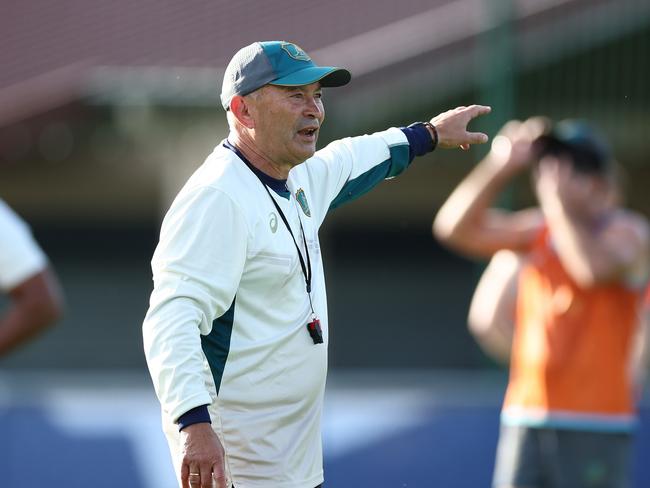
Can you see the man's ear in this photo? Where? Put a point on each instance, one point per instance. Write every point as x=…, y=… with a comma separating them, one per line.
x=240, y=108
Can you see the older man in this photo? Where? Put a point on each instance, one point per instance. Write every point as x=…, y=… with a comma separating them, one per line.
x=581, y=266
x=236, y=334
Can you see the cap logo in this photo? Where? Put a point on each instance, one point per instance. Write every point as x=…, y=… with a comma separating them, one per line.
x=295, y=52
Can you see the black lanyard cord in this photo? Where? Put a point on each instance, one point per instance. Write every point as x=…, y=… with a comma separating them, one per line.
x=306, y=270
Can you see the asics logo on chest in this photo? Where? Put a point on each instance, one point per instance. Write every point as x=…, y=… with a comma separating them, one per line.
x=273, y=222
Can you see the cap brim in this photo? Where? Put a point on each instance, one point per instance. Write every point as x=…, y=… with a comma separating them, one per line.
x=326, y=75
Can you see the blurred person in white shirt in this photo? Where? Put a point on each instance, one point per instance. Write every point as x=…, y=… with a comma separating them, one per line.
x=26, y=277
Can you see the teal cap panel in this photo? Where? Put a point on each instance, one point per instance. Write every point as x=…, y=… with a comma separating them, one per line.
x=278, y=63
x=293, y=66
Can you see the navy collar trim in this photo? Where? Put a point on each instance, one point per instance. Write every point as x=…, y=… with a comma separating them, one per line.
x=278, y=186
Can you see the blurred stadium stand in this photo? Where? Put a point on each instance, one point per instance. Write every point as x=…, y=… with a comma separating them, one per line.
x=106, y=108
x=406, y=429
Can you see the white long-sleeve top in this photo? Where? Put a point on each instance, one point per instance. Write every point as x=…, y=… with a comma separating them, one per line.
x=20, y=256
x=227, y=319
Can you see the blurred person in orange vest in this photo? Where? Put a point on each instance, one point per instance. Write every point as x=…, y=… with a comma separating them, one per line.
x=493, y=310
x=576, y=267
x=35, y=298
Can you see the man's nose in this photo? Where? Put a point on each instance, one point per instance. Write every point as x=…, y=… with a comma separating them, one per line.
x=314, y=108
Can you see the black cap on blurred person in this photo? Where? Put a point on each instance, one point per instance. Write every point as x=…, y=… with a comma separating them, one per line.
x=588, y=149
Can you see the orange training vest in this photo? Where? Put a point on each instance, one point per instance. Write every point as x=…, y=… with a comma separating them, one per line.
x=572, y=346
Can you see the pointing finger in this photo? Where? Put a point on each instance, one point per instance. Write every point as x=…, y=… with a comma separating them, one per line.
x=476, y=138
x=476, y=110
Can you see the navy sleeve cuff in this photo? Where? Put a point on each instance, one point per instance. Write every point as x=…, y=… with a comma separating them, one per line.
x=195, y=416
x=420, y=141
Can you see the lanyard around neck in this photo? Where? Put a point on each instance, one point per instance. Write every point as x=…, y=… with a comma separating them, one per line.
x=306, y=268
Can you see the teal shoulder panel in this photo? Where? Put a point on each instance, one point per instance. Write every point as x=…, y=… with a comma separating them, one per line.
x=216, y=345
x=362, y=184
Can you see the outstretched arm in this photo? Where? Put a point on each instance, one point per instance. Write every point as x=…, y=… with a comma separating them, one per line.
x=467, y=222
x=348, y=168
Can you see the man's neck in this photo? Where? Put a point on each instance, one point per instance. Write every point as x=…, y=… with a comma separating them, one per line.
x=257, y=158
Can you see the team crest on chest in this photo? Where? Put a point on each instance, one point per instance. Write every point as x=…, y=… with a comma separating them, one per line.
x=302, y=201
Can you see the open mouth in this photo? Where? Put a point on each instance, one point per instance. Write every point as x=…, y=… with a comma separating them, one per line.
x=309, y=132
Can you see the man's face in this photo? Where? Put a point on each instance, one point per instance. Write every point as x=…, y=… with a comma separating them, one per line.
x=287, y=122
x=584, y=195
